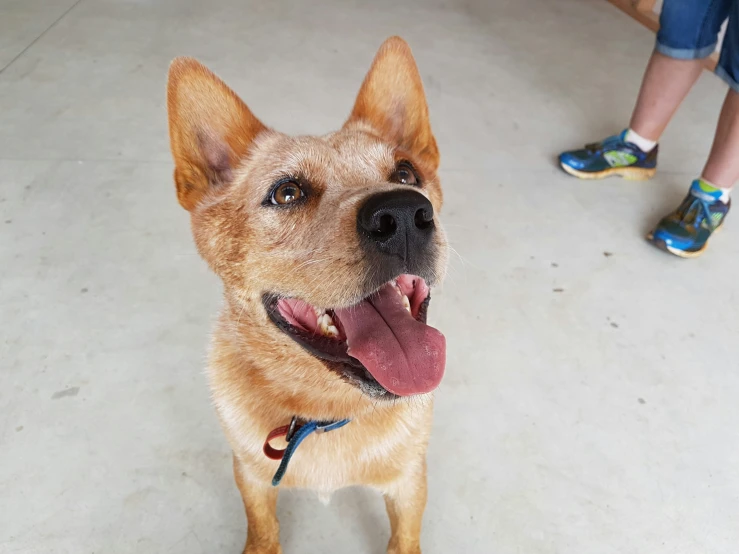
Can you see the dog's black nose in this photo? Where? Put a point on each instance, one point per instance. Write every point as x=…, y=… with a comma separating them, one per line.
x=397, y=222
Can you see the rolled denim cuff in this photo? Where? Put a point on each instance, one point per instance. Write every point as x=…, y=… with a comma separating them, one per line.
x=686, y=53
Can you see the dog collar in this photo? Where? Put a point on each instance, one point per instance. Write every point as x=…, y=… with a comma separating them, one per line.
x=294, y=434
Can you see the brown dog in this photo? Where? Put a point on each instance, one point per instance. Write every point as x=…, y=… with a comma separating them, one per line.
x=327, y=247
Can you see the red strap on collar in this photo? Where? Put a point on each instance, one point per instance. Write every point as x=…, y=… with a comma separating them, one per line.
x=269, y=451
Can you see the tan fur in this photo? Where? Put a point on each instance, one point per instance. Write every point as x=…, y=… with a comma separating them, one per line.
x=225, y=162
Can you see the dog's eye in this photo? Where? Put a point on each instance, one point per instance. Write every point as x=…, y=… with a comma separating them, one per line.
x=286, y=193
x=404, y=175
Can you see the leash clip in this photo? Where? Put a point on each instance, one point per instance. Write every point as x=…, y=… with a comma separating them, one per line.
x=292, y=428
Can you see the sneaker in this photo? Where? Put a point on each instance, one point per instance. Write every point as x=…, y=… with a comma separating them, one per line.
x=685, y=232
x=612, y=156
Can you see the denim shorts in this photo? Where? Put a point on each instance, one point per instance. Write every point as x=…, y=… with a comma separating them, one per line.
x=689, y=30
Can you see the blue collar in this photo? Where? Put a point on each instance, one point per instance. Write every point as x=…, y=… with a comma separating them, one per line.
x=294, y=434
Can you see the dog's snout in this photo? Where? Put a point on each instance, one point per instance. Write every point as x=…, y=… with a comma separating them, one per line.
x=396, y=222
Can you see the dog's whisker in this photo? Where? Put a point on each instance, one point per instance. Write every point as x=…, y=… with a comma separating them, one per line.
x=458, y=225
x=462, y=259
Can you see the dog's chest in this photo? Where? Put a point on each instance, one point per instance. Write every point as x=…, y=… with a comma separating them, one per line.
x=329, y=461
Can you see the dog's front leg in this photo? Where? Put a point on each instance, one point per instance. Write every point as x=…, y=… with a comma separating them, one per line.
x=405, y=504
x=260, y=503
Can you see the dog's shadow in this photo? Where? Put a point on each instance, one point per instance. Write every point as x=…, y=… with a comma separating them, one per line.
x=355, y=519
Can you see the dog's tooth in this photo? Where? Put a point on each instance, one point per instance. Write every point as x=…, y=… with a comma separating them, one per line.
x=327, y=327
x=406, y=303
x=319, y=312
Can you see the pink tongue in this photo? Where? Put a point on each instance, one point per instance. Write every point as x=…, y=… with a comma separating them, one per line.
x=405, y=356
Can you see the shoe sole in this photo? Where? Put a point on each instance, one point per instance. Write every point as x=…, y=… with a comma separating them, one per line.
x=628, y=173
x=662, y=245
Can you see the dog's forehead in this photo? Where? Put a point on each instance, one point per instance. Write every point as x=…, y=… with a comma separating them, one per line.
x=352, y=142
x=347, y=157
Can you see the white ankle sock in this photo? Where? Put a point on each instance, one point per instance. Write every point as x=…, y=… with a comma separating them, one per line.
x=719, y=193
x=633, y=137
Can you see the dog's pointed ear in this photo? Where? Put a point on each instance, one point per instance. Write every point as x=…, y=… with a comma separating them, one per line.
x=393, y=103
x=210, y=130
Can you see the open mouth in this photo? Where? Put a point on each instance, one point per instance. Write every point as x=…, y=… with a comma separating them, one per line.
x=381, y=344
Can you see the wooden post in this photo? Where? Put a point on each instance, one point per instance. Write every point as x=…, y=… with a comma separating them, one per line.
x=644, y=5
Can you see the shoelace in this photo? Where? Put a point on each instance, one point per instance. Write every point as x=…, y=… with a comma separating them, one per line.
x=600, y=147
x=694, y=211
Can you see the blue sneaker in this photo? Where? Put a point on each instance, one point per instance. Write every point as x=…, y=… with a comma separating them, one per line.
x=685, y=232
x=612, y=156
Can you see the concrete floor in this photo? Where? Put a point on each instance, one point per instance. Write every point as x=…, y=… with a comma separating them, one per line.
x=599, y=418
